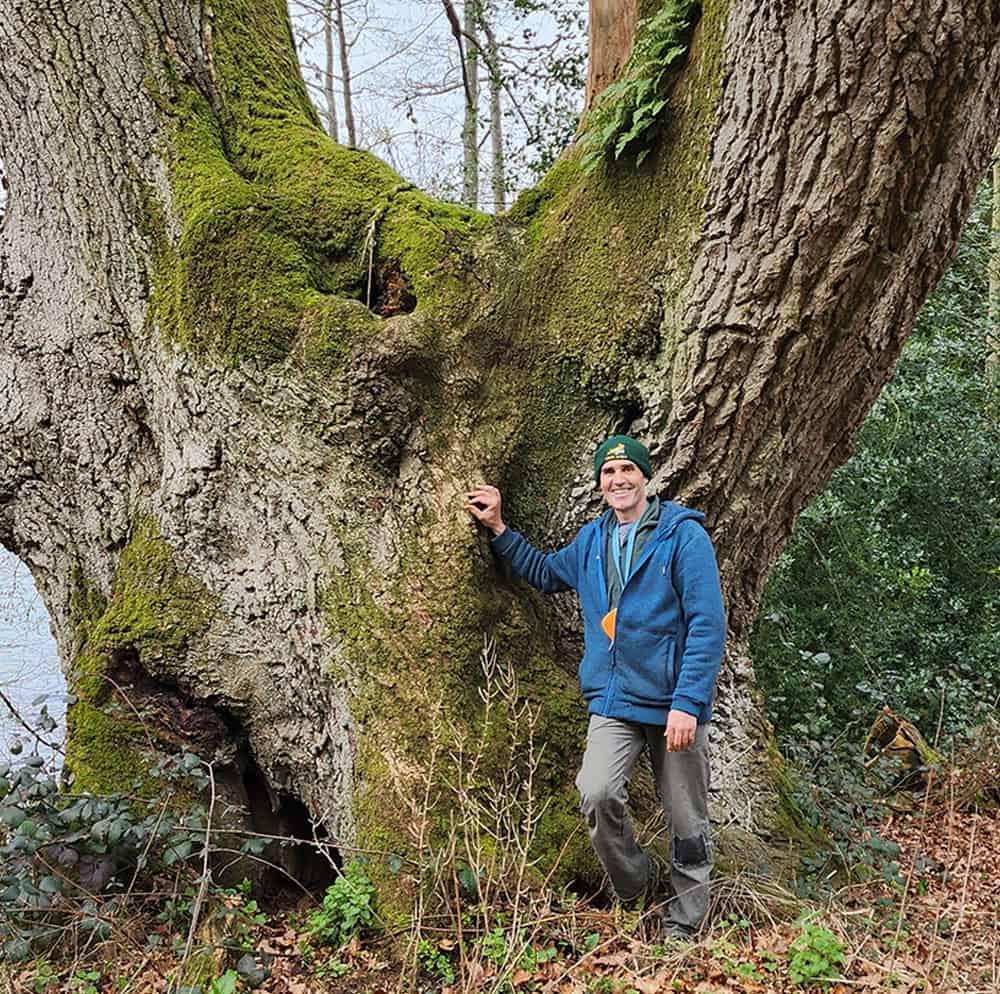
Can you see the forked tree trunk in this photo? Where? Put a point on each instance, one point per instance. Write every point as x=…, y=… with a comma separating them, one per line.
x=240, y=488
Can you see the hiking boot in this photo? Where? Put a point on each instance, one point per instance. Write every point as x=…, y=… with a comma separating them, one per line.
x=677, y=933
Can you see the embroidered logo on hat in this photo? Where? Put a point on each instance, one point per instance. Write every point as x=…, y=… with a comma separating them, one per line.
x=622, y=447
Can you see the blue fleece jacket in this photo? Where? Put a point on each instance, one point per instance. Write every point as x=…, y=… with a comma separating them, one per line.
x=670, y=627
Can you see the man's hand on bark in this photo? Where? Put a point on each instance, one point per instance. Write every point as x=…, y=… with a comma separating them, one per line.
x=680, y=730
x=483, y=503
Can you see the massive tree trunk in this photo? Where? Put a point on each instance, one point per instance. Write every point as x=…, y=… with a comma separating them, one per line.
x=246, y=375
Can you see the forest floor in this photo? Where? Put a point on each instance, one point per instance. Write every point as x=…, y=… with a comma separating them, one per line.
x=925, y=920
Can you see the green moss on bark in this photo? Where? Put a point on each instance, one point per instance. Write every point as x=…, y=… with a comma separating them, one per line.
x=416, y=655
x=86, y=605
x=275, y=219
x=605, y=253
x=154, y=610
x=790, y=825
x=104, y=749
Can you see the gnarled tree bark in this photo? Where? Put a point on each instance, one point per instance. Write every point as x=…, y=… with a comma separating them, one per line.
x=246, y=375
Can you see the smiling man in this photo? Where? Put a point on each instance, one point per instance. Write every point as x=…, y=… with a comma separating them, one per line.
x=654, y=629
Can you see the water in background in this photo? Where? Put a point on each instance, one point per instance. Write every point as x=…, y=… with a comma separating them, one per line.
x=29, y=661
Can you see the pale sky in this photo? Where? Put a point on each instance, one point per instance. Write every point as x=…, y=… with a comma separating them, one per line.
x=29, y=660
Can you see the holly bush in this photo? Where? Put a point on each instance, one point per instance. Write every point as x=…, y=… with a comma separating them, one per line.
x=889, y=589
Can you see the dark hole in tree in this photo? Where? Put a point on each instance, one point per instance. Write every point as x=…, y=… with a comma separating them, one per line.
x=4, y=192
x=630, y=415
x=390, y=294
x=246, y=804
x=285, y=817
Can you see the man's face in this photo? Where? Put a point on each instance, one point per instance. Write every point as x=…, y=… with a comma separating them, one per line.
x=623, y=487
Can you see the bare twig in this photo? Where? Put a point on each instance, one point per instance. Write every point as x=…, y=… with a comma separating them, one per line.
x=206, y=877
x=458, y=34
x=961, y=911
x=16, y=714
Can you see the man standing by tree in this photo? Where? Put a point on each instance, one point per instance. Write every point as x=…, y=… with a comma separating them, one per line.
x=654, y=629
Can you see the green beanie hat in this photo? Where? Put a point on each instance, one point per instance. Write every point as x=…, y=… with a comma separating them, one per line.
x=622, y=447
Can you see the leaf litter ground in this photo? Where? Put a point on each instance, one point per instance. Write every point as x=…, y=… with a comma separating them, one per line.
x=933, y=928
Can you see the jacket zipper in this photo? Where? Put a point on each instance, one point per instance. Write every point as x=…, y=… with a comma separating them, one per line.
x=647, y=552
x=607, y=605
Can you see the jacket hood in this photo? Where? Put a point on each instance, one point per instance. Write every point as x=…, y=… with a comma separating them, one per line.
x=671, y=515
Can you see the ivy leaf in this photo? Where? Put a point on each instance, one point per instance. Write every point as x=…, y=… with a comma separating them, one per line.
x=226, y=984
x=16, y=950
x=468, y=880
x=50, y=885
x=117, y=831
x=189, y=762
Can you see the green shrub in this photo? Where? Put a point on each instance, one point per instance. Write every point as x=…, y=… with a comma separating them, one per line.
x=347, y=907
x=815, y=955
x=435, y=962
x=62, y=856
x=888, y=590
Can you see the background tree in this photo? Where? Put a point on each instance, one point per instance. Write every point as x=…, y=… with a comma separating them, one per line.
x=247, y=374
x=411, y=94
x=329, y=20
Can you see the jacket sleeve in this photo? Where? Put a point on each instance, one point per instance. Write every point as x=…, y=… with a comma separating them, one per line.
x=550, y=572
x=696, y=578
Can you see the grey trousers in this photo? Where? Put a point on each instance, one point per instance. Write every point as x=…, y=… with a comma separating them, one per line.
x=682, y=780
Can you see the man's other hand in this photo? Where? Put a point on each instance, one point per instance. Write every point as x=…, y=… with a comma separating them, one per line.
x=680, y=731
x=484, y=505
